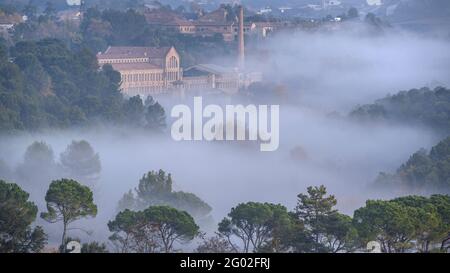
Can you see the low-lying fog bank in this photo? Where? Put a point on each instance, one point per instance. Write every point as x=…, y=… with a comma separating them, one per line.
x=314, y=149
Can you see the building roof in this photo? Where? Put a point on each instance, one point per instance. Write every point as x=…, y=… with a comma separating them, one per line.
x=135, y=66
x=123, y=52
x=209, y=69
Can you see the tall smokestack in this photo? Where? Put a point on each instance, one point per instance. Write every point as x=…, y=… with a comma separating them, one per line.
x=241, y=49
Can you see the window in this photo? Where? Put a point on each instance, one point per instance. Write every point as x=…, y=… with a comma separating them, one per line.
x=173, y=62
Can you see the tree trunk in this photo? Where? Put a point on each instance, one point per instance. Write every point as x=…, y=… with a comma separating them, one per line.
x=63, y=240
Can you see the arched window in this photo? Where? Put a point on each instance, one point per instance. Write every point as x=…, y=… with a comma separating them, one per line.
x=173, y=62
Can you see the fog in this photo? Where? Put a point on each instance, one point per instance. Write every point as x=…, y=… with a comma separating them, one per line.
x=337, y=70
x=323, y=73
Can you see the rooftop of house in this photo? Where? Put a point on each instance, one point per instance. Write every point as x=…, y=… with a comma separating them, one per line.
x=125, y=52
x=135, y=66
x=201, y=69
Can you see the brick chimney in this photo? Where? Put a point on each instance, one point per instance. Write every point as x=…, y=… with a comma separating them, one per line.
x=241, y=46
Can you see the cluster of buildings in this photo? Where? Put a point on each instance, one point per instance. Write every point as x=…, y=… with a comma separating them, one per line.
x=152, y=71
x=218, y=22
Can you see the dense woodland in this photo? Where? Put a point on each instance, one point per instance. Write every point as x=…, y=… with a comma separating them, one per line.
x=429, y=108
x=423, y=172
x=44, y=84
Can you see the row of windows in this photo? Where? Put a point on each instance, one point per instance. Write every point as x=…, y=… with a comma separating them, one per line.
x=225, y=85
x=142, y=77
x=190, y=29
x=126, y=61
x=172, y=76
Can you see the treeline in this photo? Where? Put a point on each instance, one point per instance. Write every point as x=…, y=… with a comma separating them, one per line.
x=404, y=224
x=43, y=84
x=421, y=107
x=423, y=172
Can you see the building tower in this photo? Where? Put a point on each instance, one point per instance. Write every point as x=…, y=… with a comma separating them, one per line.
x=241, y=46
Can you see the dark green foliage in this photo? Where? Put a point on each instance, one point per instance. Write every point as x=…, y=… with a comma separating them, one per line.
x=422, y=107
x=411, y=223
x=67, y=201
x=16, y=216
x=386, y=222
x=404, y=224
x=155, y=188
x=154, y=229
x=94, y=247
x=423, y=172
x=155, y=116
x=134, y=111
x=256, y=225
x=49, y=86
x=329, y=230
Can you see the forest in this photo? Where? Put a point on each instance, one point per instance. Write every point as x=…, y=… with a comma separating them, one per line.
x=422, y=172
x=429, y=108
